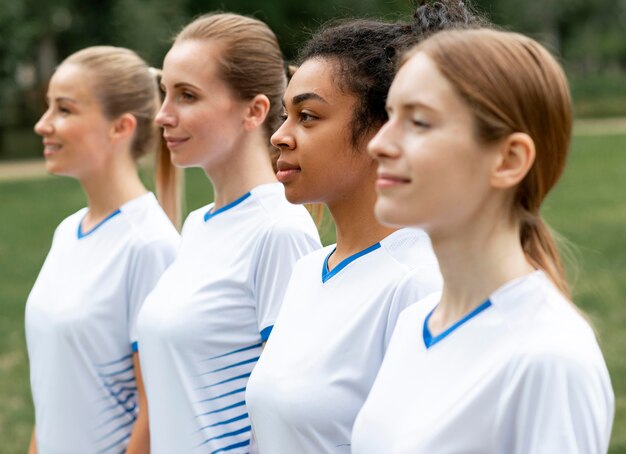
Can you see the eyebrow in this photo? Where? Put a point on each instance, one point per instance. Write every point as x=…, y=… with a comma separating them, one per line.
x=299, y=99
x=63, y=99
x=162, y=86
x=411, y=105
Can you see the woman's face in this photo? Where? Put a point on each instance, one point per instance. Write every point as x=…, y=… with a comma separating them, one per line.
x=76, y=134
x=432, y=172
x=202, y=120
x=317, y=161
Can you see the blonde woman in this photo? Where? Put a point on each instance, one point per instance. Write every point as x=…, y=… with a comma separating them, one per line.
x=81, y=313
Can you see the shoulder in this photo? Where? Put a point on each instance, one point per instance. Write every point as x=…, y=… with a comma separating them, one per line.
x=71, y=222
x=276, y=216
x=148, y=223
x=551, y=338
x=411, y=249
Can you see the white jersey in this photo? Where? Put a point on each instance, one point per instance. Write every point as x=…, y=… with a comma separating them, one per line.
x=329, y=342
x=521, y=374
x=81, y=325
x=202, y=328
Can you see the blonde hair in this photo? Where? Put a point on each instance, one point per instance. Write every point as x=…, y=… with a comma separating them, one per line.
x=513, y=84
x=123, y=83
x=250, y=61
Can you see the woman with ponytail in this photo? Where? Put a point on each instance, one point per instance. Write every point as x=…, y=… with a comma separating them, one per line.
x=203, y=327
x=499, y=361
x=81, y=313
x=342, y=302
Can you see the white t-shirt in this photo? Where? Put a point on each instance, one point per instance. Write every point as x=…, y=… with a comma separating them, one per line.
x=80, y=326
x=201, y=329
x=329, y=342
x=521, y=374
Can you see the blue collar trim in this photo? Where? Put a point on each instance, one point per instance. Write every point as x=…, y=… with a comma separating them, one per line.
x=82, y=234
x=345, y=262
x=430, y=340
x=211, y=214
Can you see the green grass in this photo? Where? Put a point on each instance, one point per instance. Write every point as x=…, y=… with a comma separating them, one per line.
x=588, y=208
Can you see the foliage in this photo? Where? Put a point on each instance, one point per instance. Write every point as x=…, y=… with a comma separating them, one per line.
x=36, y=35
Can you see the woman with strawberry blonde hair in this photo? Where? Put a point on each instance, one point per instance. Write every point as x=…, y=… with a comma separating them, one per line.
x=501, y=360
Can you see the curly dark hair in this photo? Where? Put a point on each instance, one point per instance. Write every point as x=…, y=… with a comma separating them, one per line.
x=365, y=52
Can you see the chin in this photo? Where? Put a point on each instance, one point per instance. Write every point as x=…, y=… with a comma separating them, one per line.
x=390, y=215
x=293, y=196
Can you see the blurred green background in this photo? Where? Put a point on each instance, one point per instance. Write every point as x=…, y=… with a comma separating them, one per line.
x=588, y=35
x=588, y=207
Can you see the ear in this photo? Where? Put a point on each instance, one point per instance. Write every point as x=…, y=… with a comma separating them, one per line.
x=516, y=156
x=256, y=112
x=123, y=127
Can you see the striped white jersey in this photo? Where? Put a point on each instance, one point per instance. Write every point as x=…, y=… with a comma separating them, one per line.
x=202, y=328
x=81, y=326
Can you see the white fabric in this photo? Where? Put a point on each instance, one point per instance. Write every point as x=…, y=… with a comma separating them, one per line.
x=80, y=324
x=200, y=329
x=523, y=376
x=329, y=342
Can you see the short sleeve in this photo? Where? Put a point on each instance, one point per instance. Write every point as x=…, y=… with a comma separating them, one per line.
x=558, y=403
x=149, y=263
x=414, y=287
x=282, y=247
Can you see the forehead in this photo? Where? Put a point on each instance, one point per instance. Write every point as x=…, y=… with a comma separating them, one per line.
x=191, y=61
x=420, y=81
x=72, y=81
x=317, y=75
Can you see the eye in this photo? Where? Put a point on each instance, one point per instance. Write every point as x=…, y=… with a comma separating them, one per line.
x=420, y=123
x=283, y=117
x=187, y=96
x=63, y=110
x=306, y=117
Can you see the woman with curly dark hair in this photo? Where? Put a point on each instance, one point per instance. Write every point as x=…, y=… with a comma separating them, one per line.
x=342, y=302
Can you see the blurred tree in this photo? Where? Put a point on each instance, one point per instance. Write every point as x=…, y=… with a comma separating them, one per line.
x=36, y=34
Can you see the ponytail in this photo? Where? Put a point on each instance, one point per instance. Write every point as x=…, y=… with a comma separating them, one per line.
x=169, y=180
x=540, y=249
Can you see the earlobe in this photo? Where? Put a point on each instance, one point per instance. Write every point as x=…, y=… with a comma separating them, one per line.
x=257, y=111
x=515, y=159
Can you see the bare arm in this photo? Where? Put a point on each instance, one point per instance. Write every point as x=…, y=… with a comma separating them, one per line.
x=140, y=436
x=32, y=448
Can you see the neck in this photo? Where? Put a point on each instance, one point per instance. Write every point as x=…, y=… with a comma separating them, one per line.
x=248, y=166
x=355, y=223
x=475, y=260
x=110, y=188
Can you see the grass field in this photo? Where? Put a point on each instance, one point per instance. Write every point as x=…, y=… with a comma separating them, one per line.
x=588, y=208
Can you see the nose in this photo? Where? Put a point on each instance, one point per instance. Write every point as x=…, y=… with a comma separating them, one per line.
x=166, y=117
x=383, y=144
x=282, y=138
x=44, y=127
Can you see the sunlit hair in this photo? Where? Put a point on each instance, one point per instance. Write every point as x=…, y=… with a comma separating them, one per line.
x=250, y=61
x=123, y=83
x=512, y=84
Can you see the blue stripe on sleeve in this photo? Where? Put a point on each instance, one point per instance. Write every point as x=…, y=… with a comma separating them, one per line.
x=265, y=333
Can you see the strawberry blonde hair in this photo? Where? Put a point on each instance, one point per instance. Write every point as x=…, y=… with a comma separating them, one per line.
x=512, y=84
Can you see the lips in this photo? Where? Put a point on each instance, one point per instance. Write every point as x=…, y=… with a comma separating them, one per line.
x=49, y=147
x=386, y=180
x=286, y=171
x=173, y=142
